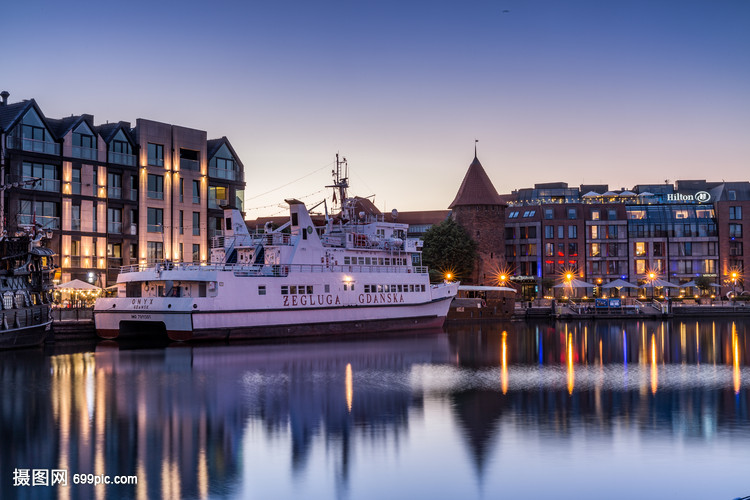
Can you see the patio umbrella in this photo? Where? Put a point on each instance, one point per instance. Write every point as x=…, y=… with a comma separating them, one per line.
x=618, y=283
x=591, y=194
x=689, y=284
x=574, y=284
x=659, y=283
x=77, y=285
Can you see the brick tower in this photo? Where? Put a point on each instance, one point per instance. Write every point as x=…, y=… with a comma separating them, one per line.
x=479, y=210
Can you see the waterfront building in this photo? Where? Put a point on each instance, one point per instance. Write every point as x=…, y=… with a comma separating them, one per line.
x=481, y=212
x=676, y=232
x=112, y=194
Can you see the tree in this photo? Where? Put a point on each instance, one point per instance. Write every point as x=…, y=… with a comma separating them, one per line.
x=449, y=248
x=703, y=283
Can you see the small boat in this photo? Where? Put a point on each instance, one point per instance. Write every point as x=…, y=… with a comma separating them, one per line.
x=26, y=268
x=356, y=273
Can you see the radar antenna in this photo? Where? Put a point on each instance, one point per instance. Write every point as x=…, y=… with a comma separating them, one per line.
x=340, y=181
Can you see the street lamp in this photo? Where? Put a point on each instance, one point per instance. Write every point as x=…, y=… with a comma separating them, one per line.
x=651, y=278
x=734, y=275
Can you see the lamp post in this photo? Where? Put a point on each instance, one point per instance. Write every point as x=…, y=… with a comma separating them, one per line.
x=568, y=279
x=734, y=286
x=651, y=278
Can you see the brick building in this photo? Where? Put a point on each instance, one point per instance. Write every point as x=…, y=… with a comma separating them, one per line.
x=478, y=209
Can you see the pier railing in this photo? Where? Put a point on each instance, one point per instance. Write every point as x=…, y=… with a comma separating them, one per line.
x=244, y=270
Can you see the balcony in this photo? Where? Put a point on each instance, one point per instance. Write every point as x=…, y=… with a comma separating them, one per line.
x=133, y=195
x=114, y=263
x=186, y=164
x=214, y=203
x=75, y=224
x=85, y=153
x=222, y=173
x=155, y=228
x=114, y=192
x=34, y=145
x=122, y=159
x=50, y=185
x=155, y=195
x=133, y=230
x=46, y=221
x=114, y=227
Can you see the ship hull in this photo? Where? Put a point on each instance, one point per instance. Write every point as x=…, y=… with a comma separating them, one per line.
x=258, y=324
x=29, y=336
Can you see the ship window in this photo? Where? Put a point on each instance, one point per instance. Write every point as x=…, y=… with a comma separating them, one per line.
x=380, y=288
x=386, y=288
x=19, y=300
x=411, y=288
x=367, y=261
x=301, y=289
x=352, y=286
x=345, y=287
x=294, y=219
x=400, y=288
x=309, y=289
x=387, y=261
x=202, y=289
x=361, y=261
x=8, y=300
x=367, y=288
x=261, y=289
x=328, y=288
x=284, y=290
x=380, y=261
x=293, y=289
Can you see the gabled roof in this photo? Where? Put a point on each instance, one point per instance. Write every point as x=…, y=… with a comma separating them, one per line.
x=109, y=130
x=476, y=188
x=213, y=146
x=62, y=126
x=10, y=113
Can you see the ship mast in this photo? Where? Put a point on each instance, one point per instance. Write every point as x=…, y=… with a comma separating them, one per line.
x=340, y=182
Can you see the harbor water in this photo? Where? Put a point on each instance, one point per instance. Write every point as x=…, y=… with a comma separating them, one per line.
x=580, y=410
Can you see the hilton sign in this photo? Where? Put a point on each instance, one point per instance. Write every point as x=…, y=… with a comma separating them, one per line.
x=700, y=197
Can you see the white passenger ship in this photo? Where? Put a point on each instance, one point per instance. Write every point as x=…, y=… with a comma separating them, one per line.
x=355, y=274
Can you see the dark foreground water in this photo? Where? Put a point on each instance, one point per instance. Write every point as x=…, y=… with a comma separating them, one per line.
x=542, y=410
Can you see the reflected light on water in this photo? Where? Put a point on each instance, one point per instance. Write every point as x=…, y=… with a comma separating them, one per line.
x=654, y=366
x=504, y=363
x=736, y=359
x=349, y=387
x=571, y=371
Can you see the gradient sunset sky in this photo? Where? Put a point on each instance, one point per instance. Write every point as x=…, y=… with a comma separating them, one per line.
x=580, y=91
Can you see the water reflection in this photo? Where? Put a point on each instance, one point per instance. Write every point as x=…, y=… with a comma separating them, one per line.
x=332, y=418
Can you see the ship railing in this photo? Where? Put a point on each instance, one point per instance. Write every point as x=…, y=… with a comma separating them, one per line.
x=273, y=270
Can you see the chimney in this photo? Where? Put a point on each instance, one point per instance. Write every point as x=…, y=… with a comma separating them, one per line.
x=4, y=94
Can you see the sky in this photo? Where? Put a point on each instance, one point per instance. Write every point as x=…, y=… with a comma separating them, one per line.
x=579, y=91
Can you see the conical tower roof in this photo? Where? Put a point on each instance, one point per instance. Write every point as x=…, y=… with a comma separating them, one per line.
x=477, y=188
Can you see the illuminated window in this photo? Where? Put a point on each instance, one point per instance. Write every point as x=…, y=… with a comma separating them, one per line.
x=640, y=266
x=641, y=248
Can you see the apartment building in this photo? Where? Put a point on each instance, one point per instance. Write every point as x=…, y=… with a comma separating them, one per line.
x=112, y=194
